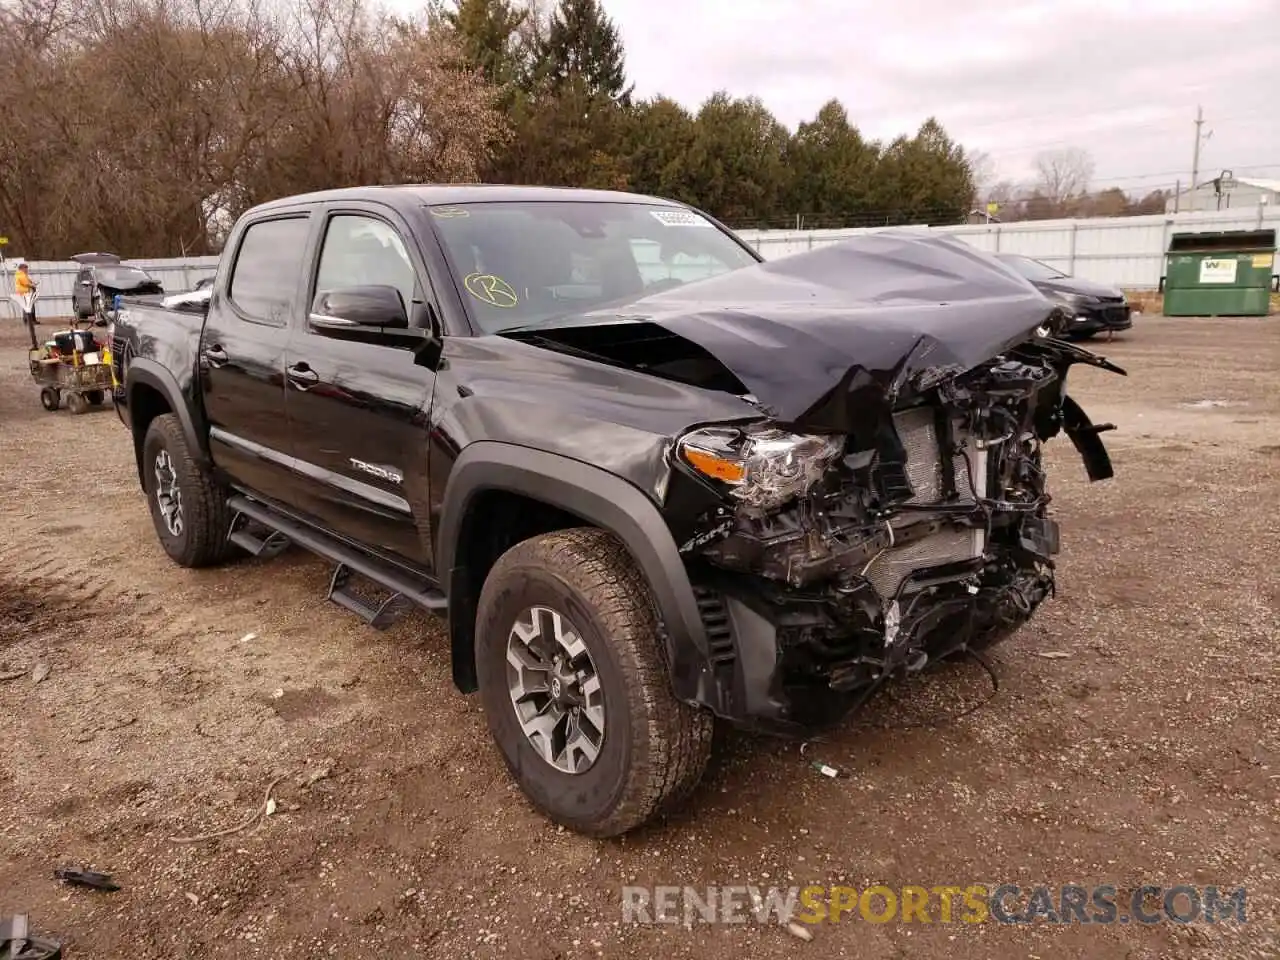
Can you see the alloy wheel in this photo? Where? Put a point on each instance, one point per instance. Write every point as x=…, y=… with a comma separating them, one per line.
x=555, y=689
x=168, y=496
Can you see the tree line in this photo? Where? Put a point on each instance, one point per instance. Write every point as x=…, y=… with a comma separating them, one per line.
x=145, y=127
x=1060, y=188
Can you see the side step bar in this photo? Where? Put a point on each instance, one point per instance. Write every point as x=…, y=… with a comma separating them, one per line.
x=272, y=545
x=406, y=590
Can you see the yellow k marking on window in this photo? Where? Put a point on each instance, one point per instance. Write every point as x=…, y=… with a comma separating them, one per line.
x=491, y=290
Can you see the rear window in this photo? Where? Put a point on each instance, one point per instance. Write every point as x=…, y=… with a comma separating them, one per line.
x=264, y=278
x=1034, y=269
x=121, y=277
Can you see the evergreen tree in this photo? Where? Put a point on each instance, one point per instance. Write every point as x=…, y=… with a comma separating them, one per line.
x=737, y=169
x=830, y=170
x=487, y=32
x=568, y=137
x=659, y=134
x=582, y=42
x=923, y=179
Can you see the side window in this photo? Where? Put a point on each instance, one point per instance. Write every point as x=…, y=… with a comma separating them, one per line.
x=360, y=251
x=264, y=278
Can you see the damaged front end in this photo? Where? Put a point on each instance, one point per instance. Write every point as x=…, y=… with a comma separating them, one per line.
x=826, y=563
x=882, y=503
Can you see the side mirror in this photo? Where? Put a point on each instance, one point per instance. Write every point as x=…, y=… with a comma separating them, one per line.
x=349, y=309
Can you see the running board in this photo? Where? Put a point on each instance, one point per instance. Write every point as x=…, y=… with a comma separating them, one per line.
x=378, y=614
x=406, y=590
x=271, y=545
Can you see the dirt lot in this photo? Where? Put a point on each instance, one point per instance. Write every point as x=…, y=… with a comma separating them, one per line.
x=1149, y=754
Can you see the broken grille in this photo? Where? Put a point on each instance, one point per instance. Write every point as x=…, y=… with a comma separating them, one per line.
x=918, y=432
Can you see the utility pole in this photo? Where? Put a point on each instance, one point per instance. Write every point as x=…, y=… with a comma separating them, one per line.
x=1195, y=160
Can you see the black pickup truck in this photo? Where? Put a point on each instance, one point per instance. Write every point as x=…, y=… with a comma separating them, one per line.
x=650, y=479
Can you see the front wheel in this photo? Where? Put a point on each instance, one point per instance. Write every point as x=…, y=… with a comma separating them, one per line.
x=574, y=685
x=189, y=510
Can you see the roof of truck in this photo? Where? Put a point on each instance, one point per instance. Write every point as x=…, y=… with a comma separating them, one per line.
x=418, y=194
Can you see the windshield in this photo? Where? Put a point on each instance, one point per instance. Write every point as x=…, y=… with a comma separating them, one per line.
x=1034, y=269
x=529, y=262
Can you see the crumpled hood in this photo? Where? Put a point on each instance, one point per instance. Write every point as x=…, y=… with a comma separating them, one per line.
x=821, y=337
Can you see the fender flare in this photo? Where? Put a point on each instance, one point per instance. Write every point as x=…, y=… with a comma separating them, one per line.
x=599, y=498
x=143, y=370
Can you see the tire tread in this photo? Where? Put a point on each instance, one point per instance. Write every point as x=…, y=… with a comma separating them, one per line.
x=204, y=502
x=673, y=738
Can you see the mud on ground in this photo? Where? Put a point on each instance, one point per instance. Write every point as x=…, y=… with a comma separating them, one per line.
x=1149, y=754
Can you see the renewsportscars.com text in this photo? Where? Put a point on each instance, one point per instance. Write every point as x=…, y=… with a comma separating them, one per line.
x=974, y=903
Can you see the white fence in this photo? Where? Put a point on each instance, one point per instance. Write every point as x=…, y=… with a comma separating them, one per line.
x=1126, y=252
x=57, y=279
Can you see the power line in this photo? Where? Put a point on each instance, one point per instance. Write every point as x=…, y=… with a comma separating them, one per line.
x=1006, y=151
x=1107, y=180
x=1261, y=114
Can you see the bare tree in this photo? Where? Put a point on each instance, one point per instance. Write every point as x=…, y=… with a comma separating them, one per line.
x=144, y=125
x=1063, y=175
x=982, y=171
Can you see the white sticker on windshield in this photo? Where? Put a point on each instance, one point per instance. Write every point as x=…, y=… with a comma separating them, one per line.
x=680, y=218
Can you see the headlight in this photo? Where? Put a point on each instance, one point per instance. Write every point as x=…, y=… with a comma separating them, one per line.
x=761, y=465
x=1071, y=299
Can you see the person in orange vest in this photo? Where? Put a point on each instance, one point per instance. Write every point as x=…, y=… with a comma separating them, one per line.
x=25, y=289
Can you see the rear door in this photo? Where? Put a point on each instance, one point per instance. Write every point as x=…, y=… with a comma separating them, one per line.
x=242, y=351
x=358, y=411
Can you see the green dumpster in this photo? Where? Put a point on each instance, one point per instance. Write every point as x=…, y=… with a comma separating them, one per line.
x=1226, y=273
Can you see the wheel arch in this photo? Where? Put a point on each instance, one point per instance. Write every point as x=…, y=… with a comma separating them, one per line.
x=555, y=492
x=152, y=391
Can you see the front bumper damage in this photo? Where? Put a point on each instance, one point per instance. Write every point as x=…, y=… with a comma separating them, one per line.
x=883, y=568
x=1103, y=316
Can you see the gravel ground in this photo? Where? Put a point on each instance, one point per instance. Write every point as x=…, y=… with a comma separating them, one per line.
x=1149, y=753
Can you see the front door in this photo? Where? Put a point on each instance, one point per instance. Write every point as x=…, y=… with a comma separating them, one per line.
x=242, y=355
x=358, y=411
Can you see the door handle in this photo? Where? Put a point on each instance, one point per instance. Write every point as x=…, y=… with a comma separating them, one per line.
x=302, y=376
x=215, y=356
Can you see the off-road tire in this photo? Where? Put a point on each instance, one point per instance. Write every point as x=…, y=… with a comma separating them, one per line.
x=95, y=397
x=655, y=748
x=76, y=403
x=206, y=517
x=49, y=399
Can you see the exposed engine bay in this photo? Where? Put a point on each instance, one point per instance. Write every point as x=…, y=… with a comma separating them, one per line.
x=876, y=555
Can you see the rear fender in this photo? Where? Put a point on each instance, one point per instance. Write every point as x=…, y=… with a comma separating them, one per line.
x=141, y=378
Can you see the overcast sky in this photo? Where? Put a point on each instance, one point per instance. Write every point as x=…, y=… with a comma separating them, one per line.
x=1121, y=78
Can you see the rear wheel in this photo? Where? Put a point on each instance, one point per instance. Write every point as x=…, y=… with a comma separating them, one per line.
x=95, y=397
x=49, y=399
x=189, y=510
x=76, y=403
x=574, y=685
